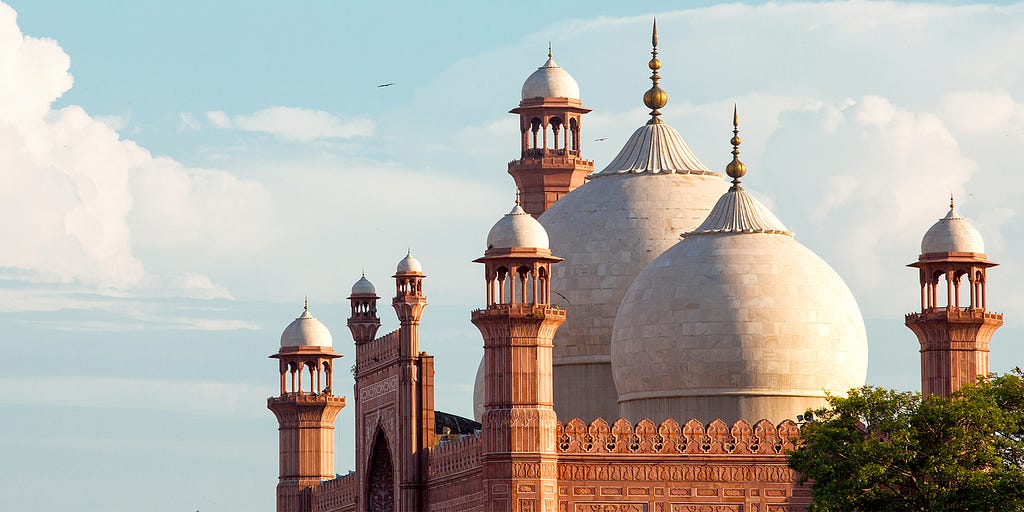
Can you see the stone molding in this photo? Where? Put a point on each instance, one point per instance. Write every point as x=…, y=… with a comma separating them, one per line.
x=693, y=437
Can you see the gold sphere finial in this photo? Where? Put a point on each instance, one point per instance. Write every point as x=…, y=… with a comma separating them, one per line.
x=305, y=306
x=736, y=169
x=950, y=200
x=517, y=197
x=655, y=98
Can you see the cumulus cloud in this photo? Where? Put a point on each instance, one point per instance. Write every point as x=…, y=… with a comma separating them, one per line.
x=291, y=123
x=82, y=204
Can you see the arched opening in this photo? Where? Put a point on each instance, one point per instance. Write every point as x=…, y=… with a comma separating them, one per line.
x=535, y=127
x=556, y=129
x=329, y=374
x=381, y=477
x=574, y=135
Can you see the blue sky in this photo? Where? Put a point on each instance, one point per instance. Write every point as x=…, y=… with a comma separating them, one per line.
x=176, y=176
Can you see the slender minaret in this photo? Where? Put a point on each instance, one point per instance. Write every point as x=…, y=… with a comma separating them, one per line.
x=518, y=325
x=550, y=123
x=394, y=394
x=955, y=335
x=305, y=410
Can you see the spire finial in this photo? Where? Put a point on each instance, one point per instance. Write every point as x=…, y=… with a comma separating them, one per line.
x=655, y=98
x=305, y=306
x=517, y=197
x=950, y=200
x=549, y=49
x=736, y=169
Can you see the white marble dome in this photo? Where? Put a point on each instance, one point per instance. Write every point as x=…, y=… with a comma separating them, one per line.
x=550, y=81
x=409, y=265
x=306, y=331
x=952, y=233
x=737, y=320
x=363, y=287
x=517, y=229
x=608, y=230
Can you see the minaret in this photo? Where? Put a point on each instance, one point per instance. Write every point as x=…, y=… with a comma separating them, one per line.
x=364, y=321
x=518, y=325
x=550, y=120
x=954, y=336
x=305, y=411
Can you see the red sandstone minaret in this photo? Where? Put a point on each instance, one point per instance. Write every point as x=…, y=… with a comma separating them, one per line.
x=550, y=116
x=518, y=325
x=954, y=337
x=305, y=411
x=394, y=394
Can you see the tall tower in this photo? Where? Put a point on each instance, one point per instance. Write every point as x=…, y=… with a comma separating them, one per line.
x=394, y=392
x=955, y=336
x=550, y=120
x=305, y=410
x=518, y=325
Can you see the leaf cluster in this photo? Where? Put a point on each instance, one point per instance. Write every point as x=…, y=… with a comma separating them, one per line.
x=881, y=450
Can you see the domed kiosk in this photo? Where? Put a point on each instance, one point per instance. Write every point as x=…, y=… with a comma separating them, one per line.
x=608, y=230
x=737, y=320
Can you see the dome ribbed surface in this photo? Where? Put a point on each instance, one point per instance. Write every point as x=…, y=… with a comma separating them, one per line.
x=952, y=233
x=550, y=81
x=409, y=264
x=517, y=229
x=306, y=331
x=363, y=287
x=739, y=212
x=655, y=148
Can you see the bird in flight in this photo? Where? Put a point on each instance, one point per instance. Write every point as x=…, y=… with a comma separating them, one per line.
x=601, y=139
x=389, y=84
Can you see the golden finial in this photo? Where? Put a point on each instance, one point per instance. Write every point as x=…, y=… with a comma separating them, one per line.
x=950, y=200
x=305, y=306
x=517, y=197
x=549, y=49
x=655, y=98
x=735, y=169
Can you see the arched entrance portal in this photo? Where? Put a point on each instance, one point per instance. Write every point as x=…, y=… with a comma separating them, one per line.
x=382, y=477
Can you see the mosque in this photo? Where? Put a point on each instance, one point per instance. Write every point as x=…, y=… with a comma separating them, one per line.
x=650, y=331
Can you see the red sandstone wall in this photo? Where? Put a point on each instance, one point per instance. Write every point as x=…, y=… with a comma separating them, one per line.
x=455, y=476
x=338, y=495
x=673, y=468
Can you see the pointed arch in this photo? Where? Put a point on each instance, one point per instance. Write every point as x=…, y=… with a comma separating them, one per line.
x=380, y=480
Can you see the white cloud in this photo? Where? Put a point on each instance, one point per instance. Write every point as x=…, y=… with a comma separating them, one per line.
x=186, y=121
x=73, y=191
x=299, y=124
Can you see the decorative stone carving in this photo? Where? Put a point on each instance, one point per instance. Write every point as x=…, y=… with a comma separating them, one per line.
x=715, y=438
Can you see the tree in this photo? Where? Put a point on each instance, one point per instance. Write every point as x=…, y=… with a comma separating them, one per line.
x=879, y=449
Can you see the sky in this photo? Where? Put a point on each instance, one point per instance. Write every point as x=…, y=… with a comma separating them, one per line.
x=175, y=177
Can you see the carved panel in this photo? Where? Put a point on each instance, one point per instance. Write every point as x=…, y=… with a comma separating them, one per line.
x=704, y=507
x=670, y=438
x=379, y=388
x=611, y=507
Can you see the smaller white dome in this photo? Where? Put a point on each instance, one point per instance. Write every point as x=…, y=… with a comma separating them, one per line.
x=517, y=229
x=409, y=264
x=550, y=81
x=306, y=331
x=952, y=233
x=363, y=287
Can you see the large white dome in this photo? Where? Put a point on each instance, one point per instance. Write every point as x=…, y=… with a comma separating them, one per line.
x=952, y=233
x=608, y=230
x=737, y=320
x=306, y=331
x=550, y=81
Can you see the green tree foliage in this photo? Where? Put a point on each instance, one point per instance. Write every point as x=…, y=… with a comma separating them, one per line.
x=883, y=450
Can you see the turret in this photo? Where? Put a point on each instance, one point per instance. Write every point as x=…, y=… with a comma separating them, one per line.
x=954, y=329
x=518, y=325
x=305, y=408
x=550, y=124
